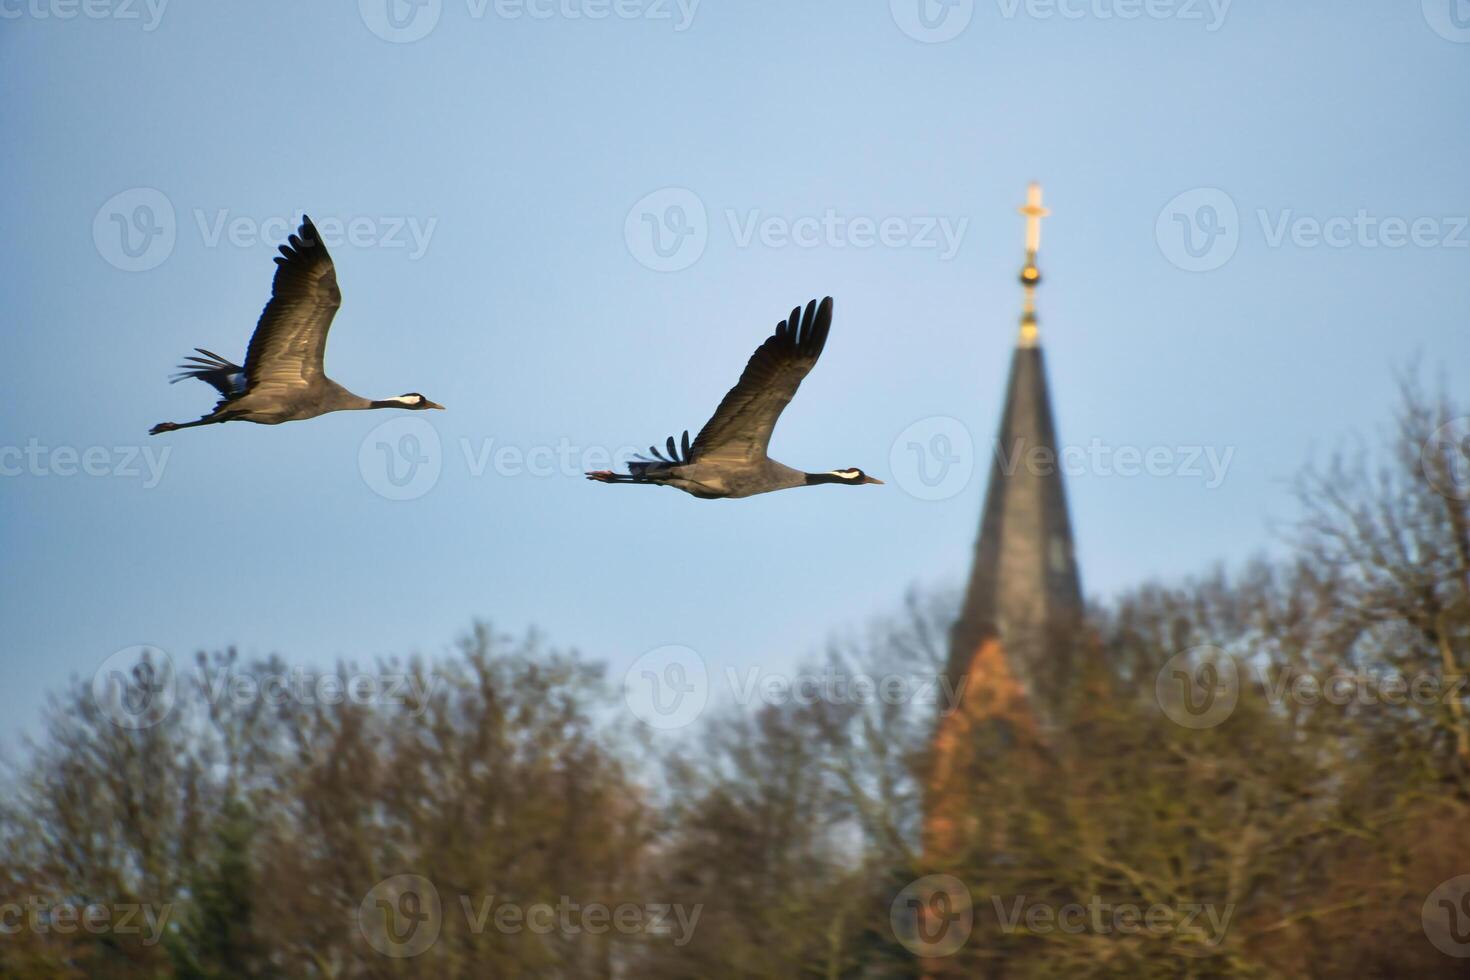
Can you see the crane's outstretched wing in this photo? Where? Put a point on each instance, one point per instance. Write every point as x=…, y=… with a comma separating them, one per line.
x=741, y=427
x=290, y=340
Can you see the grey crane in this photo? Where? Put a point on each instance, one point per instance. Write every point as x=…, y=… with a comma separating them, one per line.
x=728, y=457
x=283, y=379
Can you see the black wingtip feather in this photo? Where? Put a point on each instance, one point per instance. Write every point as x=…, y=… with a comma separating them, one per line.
x=806, y=328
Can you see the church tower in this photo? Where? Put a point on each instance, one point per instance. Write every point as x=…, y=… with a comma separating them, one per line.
x=1010, y=647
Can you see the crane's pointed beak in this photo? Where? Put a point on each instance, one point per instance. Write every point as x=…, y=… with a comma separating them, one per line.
x=873, y=479
x=429, y=404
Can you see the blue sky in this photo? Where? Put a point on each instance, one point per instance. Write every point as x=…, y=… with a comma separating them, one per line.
x=524, y=143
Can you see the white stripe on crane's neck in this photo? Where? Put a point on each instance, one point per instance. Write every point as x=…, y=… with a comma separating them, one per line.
x=846, y=474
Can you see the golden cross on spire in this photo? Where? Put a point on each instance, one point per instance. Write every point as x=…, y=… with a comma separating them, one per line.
x=1034, y=212
x=1030, y=274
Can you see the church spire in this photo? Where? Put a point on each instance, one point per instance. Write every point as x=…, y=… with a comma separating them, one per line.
x=1010, y=648
x=1024, y=588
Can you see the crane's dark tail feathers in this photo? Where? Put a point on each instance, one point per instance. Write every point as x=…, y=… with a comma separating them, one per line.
x=224, y=376
x=677, y=454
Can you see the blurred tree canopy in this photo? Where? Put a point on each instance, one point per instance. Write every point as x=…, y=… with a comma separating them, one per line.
x=1298, y=833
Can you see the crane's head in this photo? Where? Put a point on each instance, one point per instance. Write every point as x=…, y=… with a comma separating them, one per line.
x=415, y=401
x=854, y=477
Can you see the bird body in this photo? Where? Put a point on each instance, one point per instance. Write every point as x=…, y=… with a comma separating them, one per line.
x=728, y=458
x=283, y=378
x=710, y=480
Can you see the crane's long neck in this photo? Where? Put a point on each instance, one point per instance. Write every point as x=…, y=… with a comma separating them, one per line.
x=815, y=479
x=399, y=402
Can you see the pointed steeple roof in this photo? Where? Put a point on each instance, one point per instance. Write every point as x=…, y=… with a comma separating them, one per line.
x=1011, y=647
x=1024, y=588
